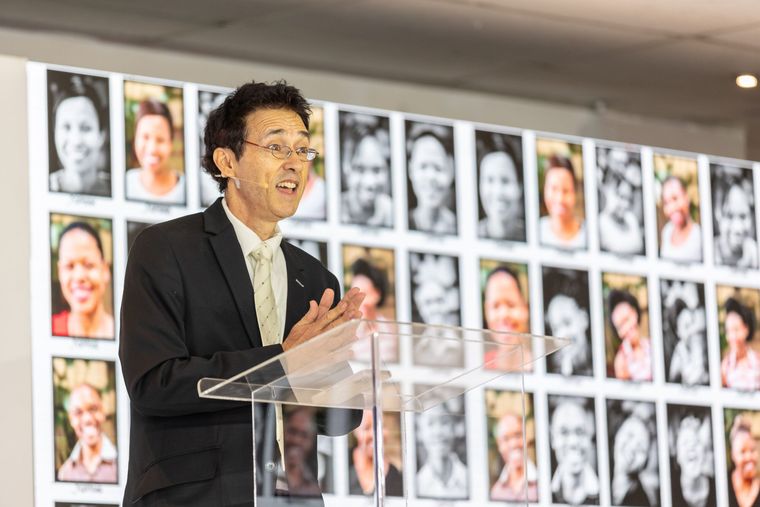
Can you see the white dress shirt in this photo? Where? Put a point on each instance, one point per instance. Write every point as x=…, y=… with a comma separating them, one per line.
x=249, y=241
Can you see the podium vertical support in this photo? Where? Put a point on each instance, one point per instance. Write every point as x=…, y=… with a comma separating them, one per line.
x=377, y=427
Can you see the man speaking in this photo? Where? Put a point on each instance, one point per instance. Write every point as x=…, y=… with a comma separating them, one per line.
x=215, y=293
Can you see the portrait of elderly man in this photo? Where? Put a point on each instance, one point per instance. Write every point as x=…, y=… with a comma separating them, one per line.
x=734, y=231
x=575, y=480
x=518, y=479
x=93, y=458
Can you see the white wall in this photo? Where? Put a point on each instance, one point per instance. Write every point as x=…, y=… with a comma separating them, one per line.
x=16, y=359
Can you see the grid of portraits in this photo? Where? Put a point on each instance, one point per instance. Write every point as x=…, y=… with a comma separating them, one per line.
x=656, y=401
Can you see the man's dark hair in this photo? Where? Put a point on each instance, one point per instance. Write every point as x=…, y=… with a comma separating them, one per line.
x=560, y=162
x=732, y=305
x=226, y=125
x=375, y=275
x=618, y=297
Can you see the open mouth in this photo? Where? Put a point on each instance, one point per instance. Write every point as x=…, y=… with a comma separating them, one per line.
x=287, y=186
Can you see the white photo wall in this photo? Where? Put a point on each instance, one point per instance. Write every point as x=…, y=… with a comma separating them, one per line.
x=645, y=257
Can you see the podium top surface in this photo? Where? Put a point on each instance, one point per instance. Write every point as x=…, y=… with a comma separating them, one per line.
x=397, y=366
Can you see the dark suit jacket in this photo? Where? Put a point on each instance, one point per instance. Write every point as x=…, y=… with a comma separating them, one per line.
x=188, y=313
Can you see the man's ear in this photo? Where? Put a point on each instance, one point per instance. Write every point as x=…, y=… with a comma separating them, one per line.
x=226, y=161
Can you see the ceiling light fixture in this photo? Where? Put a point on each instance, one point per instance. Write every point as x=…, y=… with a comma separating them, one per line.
x=746, y=81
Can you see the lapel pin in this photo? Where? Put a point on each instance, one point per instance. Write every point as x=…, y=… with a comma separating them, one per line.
x=299, y=283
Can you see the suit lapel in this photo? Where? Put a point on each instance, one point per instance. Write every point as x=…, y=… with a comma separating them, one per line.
x=226, y=247
x=296, y=290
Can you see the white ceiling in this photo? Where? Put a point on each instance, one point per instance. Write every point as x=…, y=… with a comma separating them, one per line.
x=668, y=58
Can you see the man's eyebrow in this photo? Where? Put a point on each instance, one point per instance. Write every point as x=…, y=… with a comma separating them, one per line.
x=277, y=132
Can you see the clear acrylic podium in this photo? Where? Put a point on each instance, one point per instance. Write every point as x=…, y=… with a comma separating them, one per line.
x=360, y=377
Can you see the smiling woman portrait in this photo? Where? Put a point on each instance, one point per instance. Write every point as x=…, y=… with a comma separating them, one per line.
x=82, y=299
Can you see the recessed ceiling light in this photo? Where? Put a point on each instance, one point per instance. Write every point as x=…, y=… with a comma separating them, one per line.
x=746, y=81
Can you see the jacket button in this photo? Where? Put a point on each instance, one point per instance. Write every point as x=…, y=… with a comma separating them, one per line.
x=270, y=466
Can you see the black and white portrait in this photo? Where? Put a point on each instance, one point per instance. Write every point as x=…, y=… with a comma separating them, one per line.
x=436, y=301
x=621, y=209
x=365, y=150
x=133, y=229
x=734, y=230
x=501, y=206
x=566, y=315
x=572, y=432
x=317, y=249
x=207, y=102
x=79, y=146
x=684, y=332
x=441, y=447
x=692, y=459
x=634, y=469
x=431, y=180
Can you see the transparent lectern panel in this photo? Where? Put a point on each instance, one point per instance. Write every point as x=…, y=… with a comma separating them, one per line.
x=334, y=370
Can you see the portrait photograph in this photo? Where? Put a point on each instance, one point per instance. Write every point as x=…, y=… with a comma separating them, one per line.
x=738, y=308
x=679, y=229
x=317, y=249
x=733, y=212
x=361, y=471
x=512, y=471
x=566, y=315
x=436, y=301
x=84, y=411
x=441, y=449
x=620, y=201
x=632, y=443
x=692, y=459
x=154, y=143
x=372, y=270
x=365, y=160
x=742, y=436
x=431, y=178
x=501, y=202
x=684, y=332
x=313, y=205
x=133, y=229
x=208, y=100
x=574, y=462
x=628, y=346
x=79, y=140
x=562, y=222
x=505, y=307
x=81, y=273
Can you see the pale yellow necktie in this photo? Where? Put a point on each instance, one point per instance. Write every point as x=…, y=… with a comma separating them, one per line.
x=266, y=314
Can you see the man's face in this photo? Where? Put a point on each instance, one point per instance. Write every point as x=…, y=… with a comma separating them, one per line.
x=78, y=137
x=559, y=193
x=499, y=186
x=272, y=188
x=735, y=219
x=736, y=330
x=509, y=441
x=86, y=415
x=744, y=455
x=626, y=322
x=367, y=176
x=566, y=319
x=153, y=143
x=431, y=171
x=675, y=203
x=82, y=272
x=504, y=306
x=571, y=436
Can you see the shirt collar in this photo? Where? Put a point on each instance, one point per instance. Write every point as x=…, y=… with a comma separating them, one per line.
x=107, y=450
x=248, y=239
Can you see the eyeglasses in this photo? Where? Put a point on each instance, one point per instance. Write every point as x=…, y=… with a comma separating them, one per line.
x=284, y=152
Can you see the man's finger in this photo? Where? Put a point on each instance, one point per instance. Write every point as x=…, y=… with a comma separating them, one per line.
x=328, y=296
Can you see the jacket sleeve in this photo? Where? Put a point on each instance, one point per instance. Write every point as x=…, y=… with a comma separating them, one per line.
x=160, y=374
